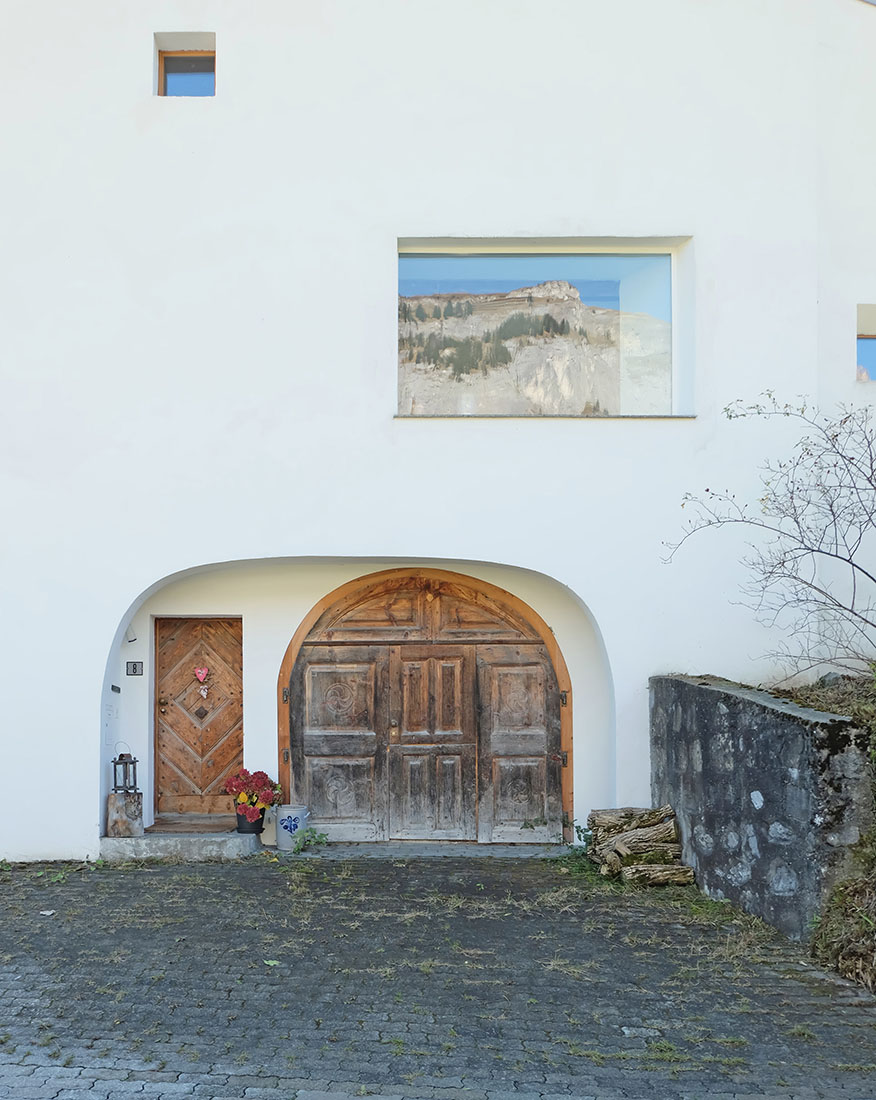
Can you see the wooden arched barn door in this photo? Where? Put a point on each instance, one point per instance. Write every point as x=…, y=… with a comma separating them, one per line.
x=420, y=707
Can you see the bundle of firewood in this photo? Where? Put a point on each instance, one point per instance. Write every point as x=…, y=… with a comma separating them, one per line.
x=639, y=845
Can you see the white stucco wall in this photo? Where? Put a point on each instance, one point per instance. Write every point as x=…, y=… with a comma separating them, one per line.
x=199, y=321
x=846, y=91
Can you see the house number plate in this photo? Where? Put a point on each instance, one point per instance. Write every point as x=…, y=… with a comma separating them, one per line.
x=134, y=668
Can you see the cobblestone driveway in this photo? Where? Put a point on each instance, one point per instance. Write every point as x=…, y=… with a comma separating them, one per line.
x=418, y=978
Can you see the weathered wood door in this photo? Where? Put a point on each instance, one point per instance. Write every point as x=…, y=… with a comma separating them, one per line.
x=519, y=742
x=198, y=725
x=433, y=738
x=424, y=711
x=340, y=704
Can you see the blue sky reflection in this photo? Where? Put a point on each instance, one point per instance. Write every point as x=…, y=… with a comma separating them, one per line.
x=190, y=84
x=867, y=358
x=636, y=283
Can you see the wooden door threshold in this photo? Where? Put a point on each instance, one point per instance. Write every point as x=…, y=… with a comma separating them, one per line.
x=193, y=823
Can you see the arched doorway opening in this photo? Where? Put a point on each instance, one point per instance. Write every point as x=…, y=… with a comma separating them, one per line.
x=424, y=704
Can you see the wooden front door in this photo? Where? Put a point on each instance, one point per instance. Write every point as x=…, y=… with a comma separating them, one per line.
x=421, y=711
x=198, y=715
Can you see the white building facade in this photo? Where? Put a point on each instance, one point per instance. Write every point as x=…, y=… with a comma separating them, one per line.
x=200, y=368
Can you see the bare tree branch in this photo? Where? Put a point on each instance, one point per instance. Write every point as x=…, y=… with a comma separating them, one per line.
x=813, y=566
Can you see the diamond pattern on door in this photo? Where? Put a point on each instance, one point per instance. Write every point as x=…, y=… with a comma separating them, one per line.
x=198, y=727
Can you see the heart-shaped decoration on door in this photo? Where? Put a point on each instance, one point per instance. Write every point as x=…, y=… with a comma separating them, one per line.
x=201, y=673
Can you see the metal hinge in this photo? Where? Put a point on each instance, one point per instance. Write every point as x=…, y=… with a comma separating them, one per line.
x=564, y=698
x=286, y=695
x=285, y=756
x=561, y=758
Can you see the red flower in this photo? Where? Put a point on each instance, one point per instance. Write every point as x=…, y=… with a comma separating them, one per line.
x=257, y=787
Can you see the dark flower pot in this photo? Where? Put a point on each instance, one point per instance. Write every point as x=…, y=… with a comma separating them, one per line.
x=244, y=826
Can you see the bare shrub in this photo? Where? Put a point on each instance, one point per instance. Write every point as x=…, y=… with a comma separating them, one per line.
x=812, y=565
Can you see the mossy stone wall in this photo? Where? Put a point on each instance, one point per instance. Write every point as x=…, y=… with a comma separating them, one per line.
x=770, y=796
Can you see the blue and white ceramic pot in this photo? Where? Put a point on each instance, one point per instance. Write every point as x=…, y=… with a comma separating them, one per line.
x=291, y=821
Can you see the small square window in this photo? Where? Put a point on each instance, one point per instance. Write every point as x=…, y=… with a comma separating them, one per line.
x=187, y=72
x=867, y=358
x=867, y=343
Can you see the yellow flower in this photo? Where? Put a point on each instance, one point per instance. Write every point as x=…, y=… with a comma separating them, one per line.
x=261, y=805
x=243, y=797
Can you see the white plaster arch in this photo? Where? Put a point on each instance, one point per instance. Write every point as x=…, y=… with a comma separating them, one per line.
x=273, y=596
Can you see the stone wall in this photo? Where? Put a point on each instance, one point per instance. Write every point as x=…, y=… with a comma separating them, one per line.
x=769, y=795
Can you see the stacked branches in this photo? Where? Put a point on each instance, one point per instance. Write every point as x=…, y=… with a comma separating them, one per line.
x=640, y=845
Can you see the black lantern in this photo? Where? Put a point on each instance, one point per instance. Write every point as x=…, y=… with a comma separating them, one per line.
x=124, y=773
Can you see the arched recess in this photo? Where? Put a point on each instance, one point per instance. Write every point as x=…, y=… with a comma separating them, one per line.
x=399, y=608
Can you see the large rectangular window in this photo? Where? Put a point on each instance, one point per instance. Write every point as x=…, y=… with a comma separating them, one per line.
x=534, y=333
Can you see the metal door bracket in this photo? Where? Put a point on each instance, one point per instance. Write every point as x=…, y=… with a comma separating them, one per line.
x=286, y=695
x=564, y=698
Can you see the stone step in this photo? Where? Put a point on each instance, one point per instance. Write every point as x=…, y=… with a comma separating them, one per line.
x=428, y=849
x=179, y=846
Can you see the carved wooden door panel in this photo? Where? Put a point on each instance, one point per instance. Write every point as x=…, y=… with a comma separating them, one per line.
x=432, y=749
x=198, y=721
x=520, y=797
x=339, y=723
x=422, y=708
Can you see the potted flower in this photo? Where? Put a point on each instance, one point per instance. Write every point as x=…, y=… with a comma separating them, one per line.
x=253, y=792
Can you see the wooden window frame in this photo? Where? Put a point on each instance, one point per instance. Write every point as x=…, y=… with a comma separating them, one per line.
x=162, y=54
x=681, y=377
